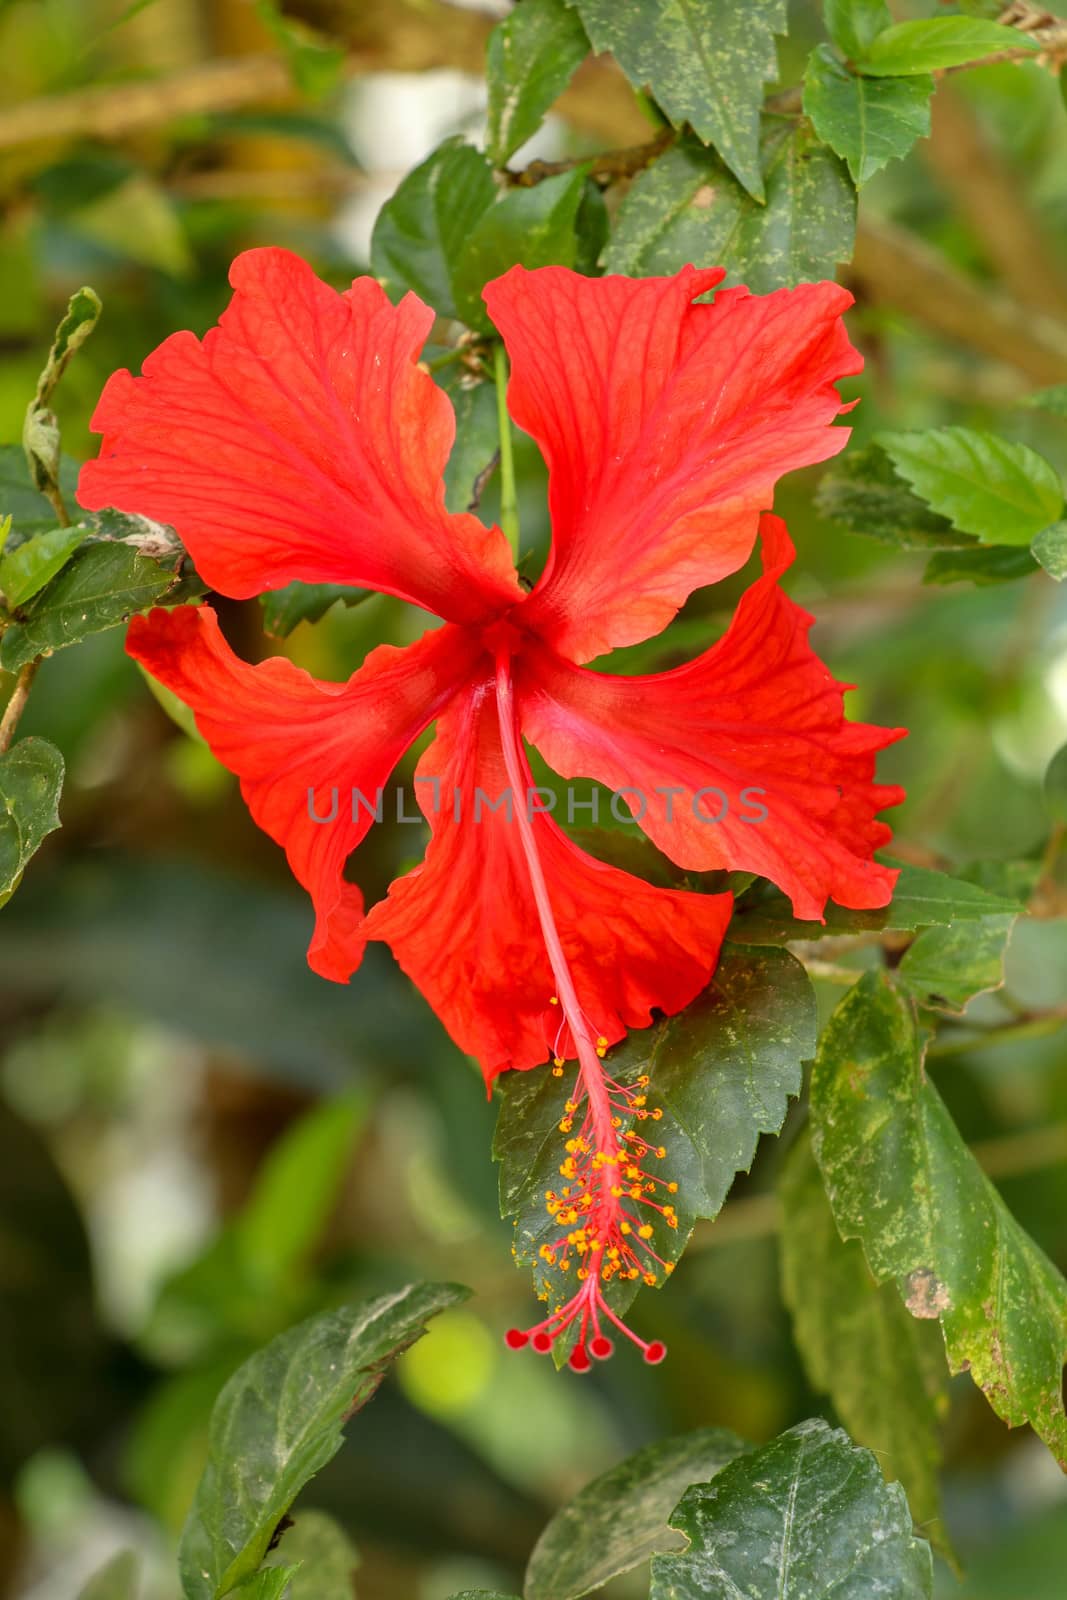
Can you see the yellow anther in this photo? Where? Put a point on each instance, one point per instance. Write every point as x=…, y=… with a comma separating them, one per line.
x=554, y=1000
x=644, y=1231
x=668, y=1267
x=672, y=1188
x=557, y=1072
x=602, y=1042
x=616, y=1191
x=657, y=1115
x=639, y=1099
x=625, y=1228
x=661, y=1152
x=650, y=1279
x=635, y=1192
x=601, y=1052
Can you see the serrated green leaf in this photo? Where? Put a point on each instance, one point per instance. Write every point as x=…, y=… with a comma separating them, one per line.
x=270, y=1584
x=284, y=609
x=101, y=586
x=1050, y=549
x=531, y=57
x=1002, y=492
x=31, y=779
x=863, y=492
x=120, y=1579
x=686, y=207
x=278, y=1421
x=867, y=121
x=901, y=1180
x=884, y=1371
x=995, y=563
x=807, y=1517
x=325, y=1557
x=853, y=24
x=618, y=1521
x=534, y=226
x=477, y=440
x=722, y=1071
x=946, y=967
x=922, y=898
x=422, y=232
x=932, y=43
x=1055, y=786
x=35, y=562
x=705, y=64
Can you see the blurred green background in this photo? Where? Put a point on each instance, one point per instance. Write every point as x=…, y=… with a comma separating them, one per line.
x=200, y=1141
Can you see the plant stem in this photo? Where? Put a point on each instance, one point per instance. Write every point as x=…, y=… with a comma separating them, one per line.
x=509, y=504
x=17, y=704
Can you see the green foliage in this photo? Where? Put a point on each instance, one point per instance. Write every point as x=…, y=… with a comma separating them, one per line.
x=20, y=499
x=1056, y=786
x=533, y=226
x=617, y=1522
x=998, y=563
x=477, y=438
x=278, y=1422
x=1003, y=493
x=854, y=24
x=35, y=562
x=862, y=491
x=806, y=1517
x=40, y=434
x=868, y=121
x=847, y=1327
x=901, y=1179
x=324, y=1556
x=120, y=1579
x=421, y=232
x=1050, y=549
x=532, y=56
x=705, y=64
x=284, y=609
x=946, y=967
x=31, y=780
x=908, y=49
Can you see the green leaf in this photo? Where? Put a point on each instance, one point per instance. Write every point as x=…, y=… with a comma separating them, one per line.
x=120, y=1579
x=422, y=232
x=1056, y=786
x=138, y=221
x=284, y=609
x=853, y=24
x=848, y=1328
x=722, y=1071
x=1003, y=493
x=325, y=1555
x=83, y=313
x=620, y=1519
x=477, y=439
x=807, y=1517
x=101, y=586
x=271, y=1584
x=532, y=56
x=534, y=226
x=901, y=1179
x=996, y=563
x=315, y=63
x=31, y=778
x=483, y=1594
x=908, y=48
x=705, y=64
x=22, y=500
x=278, y=1421
x=35, y=562
x=1050, y=549
x=862, y=492
x=686, y=207
x=867, y=121
x=1053, y=399
x=946, y=967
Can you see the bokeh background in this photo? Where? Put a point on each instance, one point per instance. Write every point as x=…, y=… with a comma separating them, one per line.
x=201, y=1142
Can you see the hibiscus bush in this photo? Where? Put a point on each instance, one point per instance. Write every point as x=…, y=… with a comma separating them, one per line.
x=534, y=652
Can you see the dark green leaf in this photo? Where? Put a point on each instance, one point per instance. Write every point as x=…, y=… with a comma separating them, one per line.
x=863, y=492
x=278, y=1421
x=884, y=1371
x=620, y=1519
x=705, y=64
x=1050, y=548
x=31, y=778
x=120, y=1579
x=532, y=56
x=924, y=46
x=901, y=1179
x=1003, y=493
x=996, y=563
x=868, y=121
x=1056, y=786
x=807, y=1517
x=101, y=586
x=35, y=562
x=853, y=24
x=686, y=207
x=326, y=1557
x=534, y=226
x=284, y=609
x=422, y=232
x=477, y=439
x=946, y=967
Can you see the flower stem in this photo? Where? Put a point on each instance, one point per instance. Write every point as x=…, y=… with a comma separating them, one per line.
x=17, y=704
x=509, y=504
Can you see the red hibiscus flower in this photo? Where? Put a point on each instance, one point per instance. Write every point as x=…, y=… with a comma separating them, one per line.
x=300, y=441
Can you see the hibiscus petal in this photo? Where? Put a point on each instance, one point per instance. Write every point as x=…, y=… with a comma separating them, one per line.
x=665, y=425
x=758, y=724
x=299, y=440
x=464, y=924
x=301, y=747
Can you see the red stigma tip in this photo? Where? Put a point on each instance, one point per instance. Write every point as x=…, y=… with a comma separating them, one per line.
x=655, y=1352
x=542, y=1343
x=579, y=1359
x=515, y=1339
x=600, y=1347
